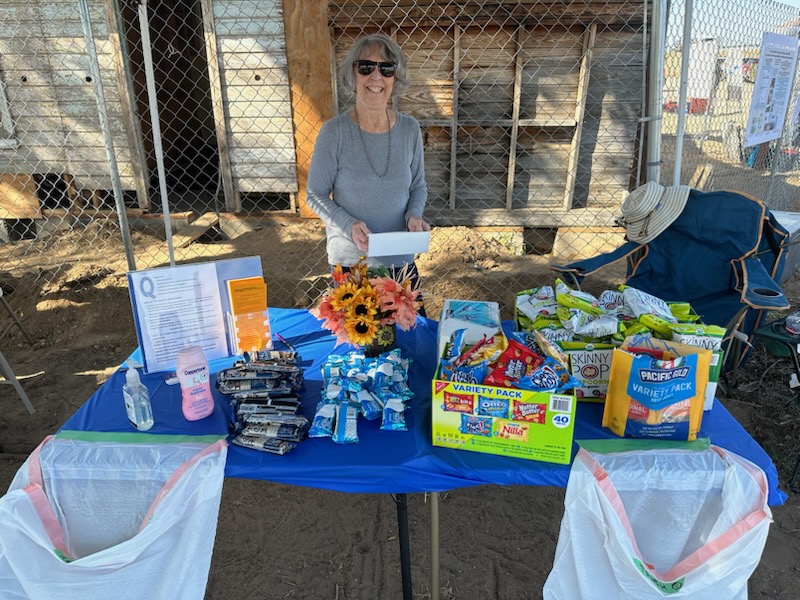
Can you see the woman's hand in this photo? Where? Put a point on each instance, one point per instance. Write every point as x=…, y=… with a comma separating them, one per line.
x=358, y=233
x=416, y=223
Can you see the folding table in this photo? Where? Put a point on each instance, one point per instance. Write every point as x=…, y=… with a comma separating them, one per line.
x=390, y=462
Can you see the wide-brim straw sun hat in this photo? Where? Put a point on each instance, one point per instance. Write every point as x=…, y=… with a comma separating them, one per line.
x=651, y=208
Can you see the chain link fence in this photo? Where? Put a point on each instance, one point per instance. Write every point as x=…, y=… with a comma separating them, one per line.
x=723, y=51
x=135, y=133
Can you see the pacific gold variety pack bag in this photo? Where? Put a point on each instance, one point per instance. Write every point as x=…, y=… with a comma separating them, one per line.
x=656, y=389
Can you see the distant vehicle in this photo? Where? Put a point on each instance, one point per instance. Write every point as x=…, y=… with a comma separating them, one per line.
x=749, y=69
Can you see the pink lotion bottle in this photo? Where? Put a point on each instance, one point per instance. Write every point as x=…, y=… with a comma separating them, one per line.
x=192, y=372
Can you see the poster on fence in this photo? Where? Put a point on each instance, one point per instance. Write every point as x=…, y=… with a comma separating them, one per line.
x=772, y=89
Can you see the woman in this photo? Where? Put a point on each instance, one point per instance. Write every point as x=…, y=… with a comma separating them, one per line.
x=367, y=173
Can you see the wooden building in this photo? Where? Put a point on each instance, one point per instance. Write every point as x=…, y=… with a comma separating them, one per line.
x=530, y=108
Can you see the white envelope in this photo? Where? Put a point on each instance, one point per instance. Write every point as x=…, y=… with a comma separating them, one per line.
x=398, y=242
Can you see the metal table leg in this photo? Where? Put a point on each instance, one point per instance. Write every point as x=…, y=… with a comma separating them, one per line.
x=434, y=545
x=11, y=379
x=792, y=485
x=402, y=533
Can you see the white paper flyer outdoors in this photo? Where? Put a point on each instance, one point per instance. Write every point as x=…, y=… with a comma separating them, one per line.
x=398, y=242
x=177, y=307
x=772, y=89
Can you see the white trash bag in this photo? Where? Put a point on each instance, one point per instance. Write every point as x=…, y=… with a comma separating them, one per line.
x=660, y=523
x=111, y=520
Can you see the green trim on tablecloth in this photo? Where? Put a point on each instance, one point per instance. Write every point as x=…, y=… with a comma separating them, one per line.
x=629, y=444
x=135, y=437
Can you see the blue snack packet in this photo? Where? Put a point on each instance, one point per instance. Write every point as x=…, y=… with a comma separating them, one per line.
x=394, y=418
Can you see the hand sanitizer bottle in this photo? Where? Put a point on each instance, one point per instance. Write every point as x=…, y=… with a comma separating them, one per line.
x=137, y=400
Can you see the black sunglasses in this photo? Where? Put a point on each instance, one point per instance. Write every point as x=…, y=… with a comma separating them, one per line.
x=366, y=67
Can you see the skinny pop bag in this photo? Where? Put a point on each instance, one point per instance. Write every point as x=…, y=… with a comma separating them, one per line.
x=656, y=389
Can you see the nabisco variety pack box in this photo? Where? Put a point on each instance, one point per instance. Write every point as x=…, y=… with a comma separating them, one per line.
x=504, y=421
x=468, y=415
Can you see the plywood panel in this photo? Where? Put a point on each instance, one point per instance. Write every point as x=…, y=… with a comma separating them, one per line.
x=544, y=13
x=308, y=51
x=51, y=92
x=260, y=171
x=430, y=62
x=253, y=72
x=252, y=183
x=18, y=199
x=262, y=156
x=613, y=104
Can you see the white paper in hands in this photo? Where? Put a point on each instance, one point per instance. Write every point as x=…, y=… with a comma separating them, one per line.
x=398, y=242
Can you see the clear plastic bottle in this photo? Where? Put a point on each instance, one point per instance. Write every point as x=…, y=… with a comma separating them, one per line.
x=192, y=372
x=137, y=400
x=793, y=323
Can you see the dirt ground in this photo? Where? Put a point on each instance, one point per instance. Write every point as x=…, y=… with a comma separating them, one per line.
x=277, y=541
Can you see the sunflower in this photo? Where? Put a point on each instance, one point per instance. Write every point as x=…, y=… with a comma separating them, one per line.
x=364, y=303
x=342, y=296
x=361, y=330
x=385, y=335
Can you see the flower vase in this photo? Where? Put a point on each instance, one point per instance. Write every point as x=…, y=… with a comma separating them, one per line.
x=385, y=340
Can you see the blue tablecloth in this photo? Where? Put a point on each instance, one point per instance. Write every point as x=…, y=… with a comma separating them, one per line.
x=382, y=461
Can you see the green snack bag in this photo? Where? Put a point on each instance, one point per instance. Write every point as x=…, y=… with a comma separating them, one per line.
x=566, y=296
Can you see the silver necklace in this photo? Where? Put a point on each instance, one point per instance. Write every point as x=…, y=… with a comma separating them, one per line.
x=364, y=145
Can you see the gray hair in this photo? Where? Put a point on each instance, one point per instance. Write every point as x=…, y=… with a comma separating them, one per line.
x=387, y=48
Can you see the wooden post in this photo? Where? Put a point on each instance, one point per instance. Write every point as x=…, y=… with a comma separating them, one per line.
x=580, y=112
x=308, y=52
x=454, y=117
x=512, y=147
x=233, y=200
x=133, y=126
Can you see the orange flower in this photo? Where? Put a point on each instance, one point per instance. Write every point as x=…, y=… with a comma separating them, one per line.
x=338, y=275
x=407, y=308
x=358, y=305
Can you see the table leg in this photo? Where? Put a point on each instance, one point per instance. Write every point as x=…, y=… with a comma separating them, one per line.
x=793, y=486
x=793, y=353
x=402, y=533
x=434, y=545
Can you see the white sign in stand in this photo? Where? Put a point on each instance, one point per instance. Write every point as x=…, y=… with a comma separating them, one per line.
x=179, y=306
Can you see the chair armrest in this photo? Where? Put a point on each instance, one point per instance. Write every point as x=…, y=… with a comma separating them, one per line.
x=757, y=287
x=577, y=270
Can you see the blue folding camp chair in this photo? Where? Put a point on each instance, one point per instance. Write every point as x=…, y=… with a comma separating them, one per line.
x=723, y=255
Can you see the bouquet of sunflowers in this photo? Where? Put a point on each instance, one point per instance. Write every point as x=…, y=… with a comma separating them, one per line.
x=366, y=303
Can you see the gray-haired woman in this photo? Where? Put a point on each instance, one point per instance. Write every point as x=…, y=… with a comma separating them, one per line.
x=367, y=173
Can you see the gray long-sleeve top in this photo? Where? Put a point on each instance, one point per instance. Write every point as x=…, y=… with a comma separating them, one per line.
x=343, y=188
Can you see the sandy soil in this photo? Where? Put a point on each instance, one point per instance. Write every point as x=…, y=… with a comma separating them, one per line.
x=277, y=541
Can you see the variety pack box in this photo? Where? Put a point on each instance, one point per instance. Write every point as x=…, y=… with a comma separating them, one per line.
x=490, y=419
x=709, y=337
x=504, y=421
